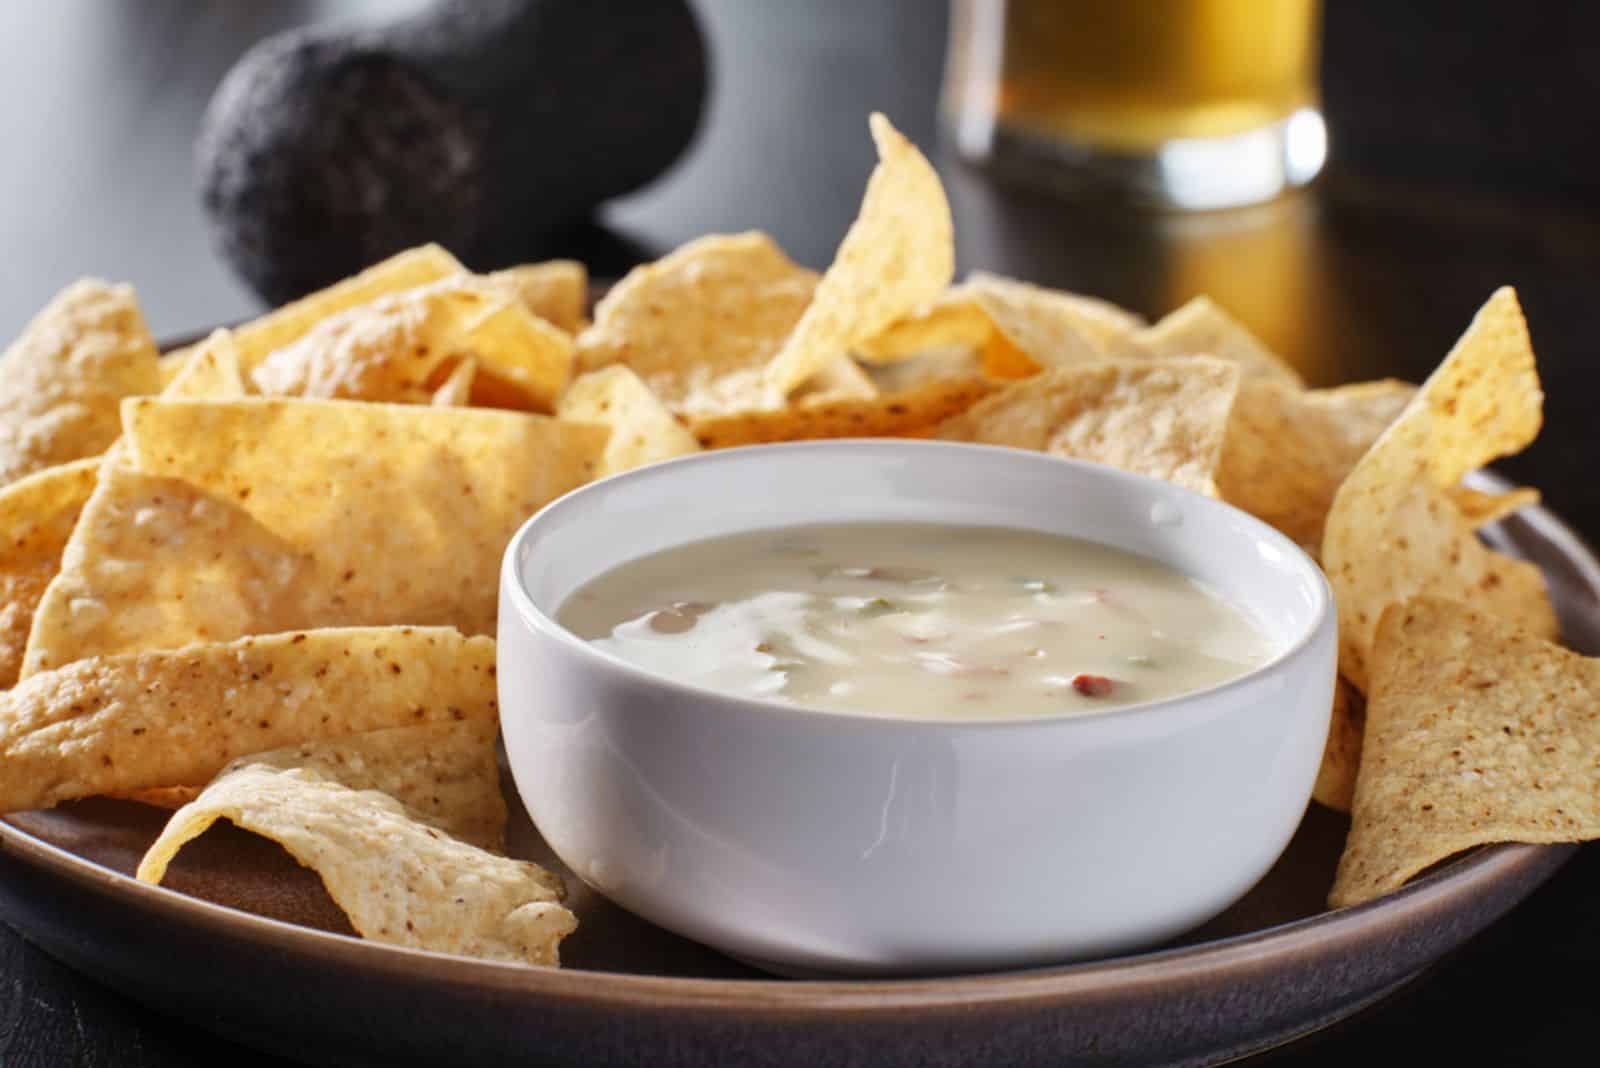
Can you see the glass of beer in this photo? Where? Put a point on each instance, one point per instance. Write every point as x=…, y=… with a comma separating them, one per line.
x=1187, y=104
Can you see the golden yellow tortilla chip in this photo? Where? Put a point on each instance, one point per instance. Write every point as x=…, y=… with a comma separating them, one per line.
x=37, y=515
x=404, y=270
x=1162, y=418
x=1341, y=755
x=398, y=877
x=907, y=399
x=642, y=430
x=1201, y=328
x=1480, y=509
x=209, y=372
x=399, y=348
x=63, y=380
x=1393, y=531
x=125, y=723
x=700, y=325
x=1477, y=732
x=1288, y=450
x=264, y=515
x=456, y=390
x=898, y=255
x=556, y=291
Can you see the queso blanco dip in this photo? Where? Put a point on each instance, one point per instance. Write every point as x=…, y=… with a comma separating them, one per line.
x=918, y=620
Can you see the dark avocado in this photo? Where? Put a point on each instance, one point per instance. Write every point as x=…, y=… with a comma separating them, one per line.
x=484, y=125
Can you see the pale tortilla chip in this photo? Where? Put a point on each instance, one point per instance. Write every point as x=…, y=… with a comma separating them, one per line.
x=399, y=348
x=209, y=372
x=385, y=514
x=556, y=290
x=898, y=255
x=1341, y=755
x=404, y=270
x=62, y=382
x=37, y=515
x=1481, y=509
x=120, y=724
x=1288, y=450
x=1162, y=418
x=642, y=430
x=456, y=390
x=1201, y=328
x=1477, y=732
x=1393, y=531
x=398, y=878
x=700, y=325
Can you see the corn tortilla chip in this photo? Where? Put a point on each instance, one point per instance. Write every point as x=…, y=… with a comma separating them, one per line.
x=1166, y=419
x=399, y=348
x=1480, y=509
x=1201, y=328
x=556, y=290
x=388, y=514
x=456, y=390
x=700, y=325
x=404, y=270
x=37, y=515
x=642, y=431
x=125, y=723
x=209, y=372
x=1477, y=732
x=65, y=377
x=1393, y=531
x=1288, y=450
x=399, y=879
x=910, y=398
x=1341, y=755
x=898, y=255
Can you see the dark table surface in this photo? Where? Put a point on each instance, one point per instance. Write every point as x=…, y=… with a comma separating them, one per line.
x=1373, y=273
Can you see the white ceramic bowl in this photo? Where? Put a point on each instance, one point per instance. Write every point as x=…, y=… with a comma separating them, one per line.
x=820, y=841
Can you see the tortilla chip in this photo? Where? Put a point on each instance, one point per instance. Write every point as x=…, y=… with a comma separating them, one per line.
x=1166, y=419
x=37, y=515
x=456, y=390
x=700, y=325
x=404, y=270
x=898, y=255
x=210, y=372
x=642, y=431
x=386, y=514
x=1201, y=328
x=65, y=378
x=399, y=348
x=119, y=724
x=909, y=399
x=399, y=879
x=556, y=290
x=1480, y=509
x=1341, y=756
x=1393, y=532
x=1477, y=732
x=1288, y=450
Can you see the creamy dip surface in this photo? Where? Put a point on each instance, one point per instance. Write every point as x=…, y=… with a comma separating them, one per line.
x=918, y=620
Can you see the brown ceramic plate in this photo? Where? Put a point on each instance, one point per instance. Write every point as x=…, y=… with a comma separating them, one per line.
x=244, y=942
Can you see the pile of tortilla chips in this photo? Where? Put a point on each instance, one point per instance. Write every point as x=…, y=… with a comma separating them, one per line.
x=258, y=575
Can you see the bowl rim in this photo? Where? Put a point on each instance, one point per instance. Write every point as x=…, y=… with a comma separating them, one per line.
x=514, y=588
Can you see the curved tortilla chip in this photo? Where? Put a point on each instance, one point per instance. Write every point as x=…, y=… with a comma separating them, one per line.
x=1201, y=328
x=898, y=255
x=37, y=515
x=642, y=430
x=1477, y=731
x=399, y=878
x=556, y=290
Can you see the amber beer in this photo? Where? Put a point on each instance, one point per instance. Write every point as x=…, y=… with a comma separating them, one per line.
x=1126, y=77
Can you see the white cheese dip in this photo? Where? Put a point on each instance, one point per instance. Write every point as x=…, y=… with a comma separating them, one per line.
x=918, y=620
